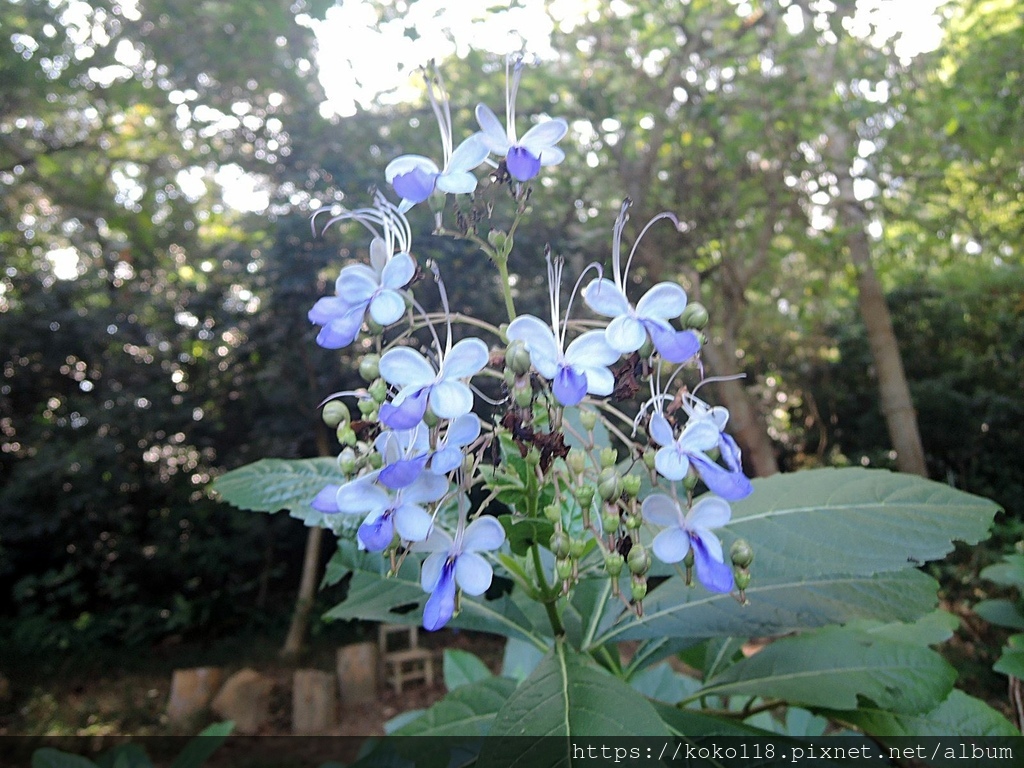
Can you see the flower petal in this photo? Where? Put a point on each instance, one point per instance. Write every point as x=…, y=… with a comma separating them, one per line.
x=483, y=534
x=441, y=605
x=467, y=358
x=463, y=430
x=551, y=156
x=604, y=297
x=356, y=283
x=361, y=495
x=445, y=460
x=671, y=463
x=710, y=512
x=379, y=254
x=675, y=346
x=544, y=135
x=403, y=472
x=403, y=366
x=699, y=435
x=714, y=575
x=522, y=164
x=327, y=500
x=377, y=531
x=590, y=350
x=328, y=308
x=493, y=133
x=341, y=331
x=450, y=399
x=711, y=544
x=398, y=271
x=540, y=343
x=468, y=155
x=407, y=409
x=662, y=302
x=430, y=571
x=437, y=542
x=659, y=509
x=600, y=381
x=412, y=522
x=671, y=545
x=415, y=186
x=473, y=573
x=625, y=334
x=457, y=182
x=569, y=385
x=731, y=454
x=387, y=307
x=731, y=486
x=661, y=430
x=427, y=487
x=406, y=163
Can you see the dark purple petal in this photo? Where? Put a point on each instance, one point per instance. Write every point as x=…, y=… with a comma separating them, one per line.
x=377, y=534
x=403, y=472
x=731, y=486
x=441, y=605
x=521, y=164
x=569, y=385
x=715, y=576
x=674, y=346
x=408, y=413
x=415, y=185
x=731, y=454
x=327, y=500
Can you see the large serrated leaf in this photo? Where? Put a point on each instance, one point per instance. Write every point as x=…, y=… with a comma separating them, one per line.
x=675, y=610
x=463, y=668
x=568, y=696
x=836, y=667
x=855, y=521
x=958, y=715
x=467, y=711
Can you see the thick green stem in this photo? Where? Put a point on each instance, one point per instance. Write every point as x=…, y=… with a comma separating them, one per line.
x=501, y=262
x=548, y=596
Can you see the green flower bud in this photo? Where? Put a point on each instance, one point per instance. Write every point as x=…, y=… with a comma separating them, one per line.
x=497, y=238
x=648, y=458
x=346, y=435
x=347, y=461
x=517, y=359
x=522, y=393
x=553, y=513
x=532, y=457
x=646, y=349
x=610, y=521
x=695, y=316
x=585, y=496
x=373, y=327
x=576, y=547
x=366, y=407
x=576, y=460
x=468, y=462
x=559, y=544
x=608, y=457
x=688, y=560
x=430, y=418
x=369, y=367
x=638, y=589
x=633, y=521
x=608, y=484
x=378, y=391
x=690, y=480
x=376, y=461
x=631, y=485
x=639, y=559
x=742, y=577
x=588, y=419
x=741, y=553
x=335, y=413
x=613, y=563
x=509, y=377
x=563, y=568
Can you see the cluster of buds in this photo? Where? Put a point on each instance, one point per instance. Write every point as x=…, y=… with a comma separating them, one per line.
x=420, y=448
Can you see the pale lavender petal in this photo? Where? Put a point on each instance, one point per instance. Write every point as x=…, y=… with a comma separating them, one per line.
x=406, y=163
x=661, y=430
x=522, y=164
x=445, y=460
x=731, y=454
x=540, y=343
x=701, y=435
x=377, y=531
x=463, y=430
x=441, y=605
x=605, y=298
x=544, y=135
x=551, y=156
x=415, y=186
x=427, y=487
x=483, y=534
x=438, y=542
x=710, y=512
x=473, y=573
x=398, y=271
x=625, y=334
x=675, y=346
x=356, y=284
x=569, y=385
x=379, y=255
x=714, y=575
x=327, y=309
x=457, y=182
x=403, y=472
x=671, y=545
x=450, y=399
x=709, y=541
x=412, y=522
x=731, y=486
x=662, y=302
x=327, y=500
x=662, y=510
x=493, y=134
x=387, y=307
x=467, y=156
x=403, y=366
x=671, y=463
x=406, y=411
x=600, y=381
x=430, y=571
x=590, y=350
x=467, y=358
x=342, y=331
x=361, y=495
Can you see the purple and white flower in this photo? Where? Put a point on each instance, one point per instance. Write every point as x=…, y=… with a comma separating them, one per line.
x=632, y=326
x=681, y=533
x=523, y=157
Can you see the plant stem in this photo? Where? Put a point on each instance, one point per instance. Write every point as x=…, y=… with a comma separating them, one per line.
x=548, y=596
x=501, y=262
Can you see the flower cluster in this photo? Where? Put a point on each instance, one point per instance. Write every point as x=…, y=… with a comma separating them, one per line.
x=420, y=450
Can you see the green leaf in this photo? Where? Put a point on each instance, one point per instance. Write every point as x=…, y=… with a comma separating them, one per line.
x=466, y=711
x=1010, y=572
x=568, y=695
x=854, y=521
x=525, y=532
x=664, y=684
x=1012, y=661
x=462, y=668
x=48, y=757
x=128, y=755
x=520, y=659
x=835, y=667
x=1002, y=613
x=270, y=485
x=400, y=598
x=199, y=749
x=958, y=715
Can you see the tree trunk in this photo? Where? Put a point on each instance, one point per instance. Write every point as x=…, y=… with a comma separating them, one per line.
x=893, y=390
x=307, y=592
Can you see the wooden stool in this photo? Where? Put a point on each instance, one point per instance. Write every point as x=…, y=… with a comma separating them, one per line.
x=402, y=659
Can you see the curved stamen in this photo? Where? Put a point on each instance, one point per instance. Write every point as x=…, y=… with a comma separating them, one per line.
x=576, y=289
x=620, y=224
x=430, y=325
x=441, y=110
x=362, y=394
x=444, y=305
x=648, y=225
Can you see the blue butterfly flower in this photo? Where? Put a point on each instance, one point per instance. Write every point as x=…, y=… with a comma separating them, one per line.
x=693, y=530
